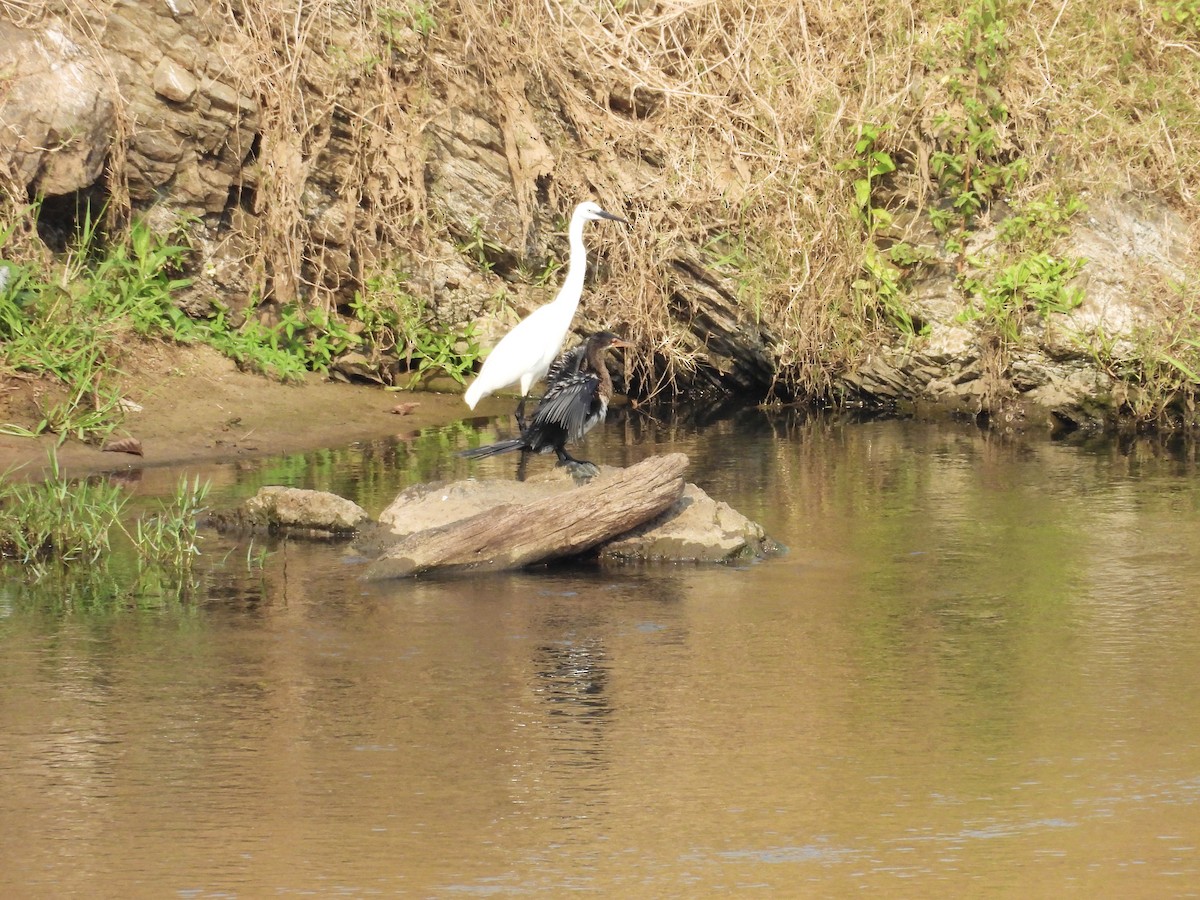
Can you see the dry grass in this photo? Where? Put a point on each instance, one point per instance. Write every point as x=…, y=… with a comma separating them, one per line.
x=714, y=117
x=702, y=119
x=705, y=119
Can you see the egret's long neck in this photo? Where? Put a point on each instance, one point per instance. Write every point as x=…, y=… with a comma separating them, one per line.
x=568, y=295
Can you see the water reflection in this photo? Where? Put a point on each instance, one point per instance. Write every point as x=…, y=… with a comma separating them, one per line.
x=972, y=673
x=572, y=676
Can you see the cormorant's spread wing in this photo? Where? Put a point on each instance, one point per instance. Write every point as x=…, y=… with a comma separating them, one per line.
x=568, y=404
x=567, y=364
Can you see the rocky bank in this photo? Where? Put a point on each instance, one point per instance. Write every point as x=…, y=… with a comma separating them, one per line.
x=305, y=172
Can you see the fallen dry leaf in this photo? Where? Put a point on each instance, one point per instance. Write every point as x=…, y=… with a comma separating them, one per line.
x=124, y=445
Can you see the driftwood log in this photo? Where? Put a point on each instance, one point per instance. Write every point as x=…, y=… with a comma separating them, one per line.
x=523, y=534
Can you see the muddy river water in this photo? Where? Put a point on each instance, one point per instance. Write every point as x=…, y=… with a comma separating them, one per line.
x=974, y=672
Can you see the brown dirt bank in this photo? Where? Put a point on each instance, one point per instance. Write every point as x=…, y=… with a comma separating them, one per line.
x=196, y=406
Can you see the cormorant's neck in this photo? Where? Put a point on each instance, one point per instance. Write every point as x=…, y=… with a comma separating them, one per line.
x=595, y=360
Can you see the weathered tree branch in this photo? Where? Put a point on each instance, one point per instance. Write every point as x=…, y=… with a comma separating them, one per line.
x=517, y=535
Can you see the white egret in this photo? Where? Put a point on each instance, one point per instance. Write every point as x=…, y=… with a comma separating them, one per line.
x=524, y=354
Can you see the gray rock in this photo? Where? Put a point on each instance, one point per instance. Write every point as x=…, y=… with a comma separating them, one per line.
x=696, y=529
x=173, y=82
x=296, y=511
x=58, y=111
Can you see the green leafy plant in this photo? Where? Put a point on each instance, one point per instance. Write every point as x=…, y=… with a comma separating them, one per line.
x=395, y=320
x=385, y=309
x=881, y=286
x=548, y=273
x=969, y=159
x=423, y=20
x=1185, y=360
x=727, y=251
x=70, y=324
x=908, y=256
x=1158, y=366
x=89, y=411
x=1039, y=221
x=882, y=281
x=452, y=354
x=1184, y=15
x=54, y=525
x=302, y=341
x=417, y=15
x=251, y=347
x=869, y=164
x=311, y=335
x=1025, y=278
x=545, y=276
x=480, y=248
x=1035, y=284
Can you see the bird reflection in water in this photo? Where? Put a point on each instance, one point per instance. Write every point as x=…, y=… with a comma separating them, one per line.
x=572, y=678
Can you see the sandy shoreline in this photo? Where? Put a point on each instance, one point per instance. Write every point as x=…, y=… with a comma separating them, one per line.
x=196, y=406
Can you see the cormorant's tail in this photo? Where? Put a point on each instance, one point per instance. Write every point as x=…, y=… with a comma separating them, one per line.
x=493, y=449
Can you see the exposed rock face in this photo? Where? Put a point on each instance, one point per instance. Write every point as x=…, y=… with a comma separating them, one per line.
x=157, y=71
x=1128, y=244
x=738, y=350
x=57, y=113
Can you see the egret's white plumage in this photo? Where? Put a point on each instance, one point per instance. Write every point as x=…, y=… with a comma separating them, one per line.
x=524, y=354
